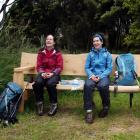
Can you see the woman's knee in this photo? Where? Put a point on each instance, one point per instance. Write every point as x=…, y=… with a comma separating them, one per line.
x=89, y=84
x=37, y=85
x=39, y=82
x=103, y=87
x=103, y=84
x=51, y=84
x=52, y=81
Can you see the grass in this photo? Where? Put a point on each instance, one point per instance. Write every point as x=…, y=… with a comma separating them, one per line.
x=122, y=122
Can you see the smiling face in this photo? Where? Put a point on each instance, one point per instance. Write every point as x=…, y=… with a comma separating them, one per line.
x=97, y=43
x=50, y=41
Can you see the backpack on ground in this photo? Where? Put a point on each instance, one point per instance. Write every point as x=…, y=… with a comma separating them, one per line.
x=126, y=70
x=9, y=103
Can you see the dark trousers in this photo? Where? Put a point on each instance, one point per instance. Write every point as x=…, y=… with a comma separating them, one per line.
x=103, y=88
x=50, y=84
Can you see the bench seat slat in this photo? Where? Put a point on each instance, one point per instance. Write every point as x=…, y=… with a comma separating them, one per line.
x=122, y=89
x=125, y=89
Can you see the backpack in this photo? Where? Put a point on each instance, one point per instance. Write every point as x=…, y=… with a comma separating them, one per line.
x=9, y=103
x=126, y=70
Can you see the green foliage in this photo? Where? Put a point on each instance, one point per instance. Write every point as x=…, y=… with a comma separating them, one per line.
x=9, y=60
x=132, y=39
x=117, y=22
x=13, y=39
x=78, y=25
x=12, y=43
x=73, y=22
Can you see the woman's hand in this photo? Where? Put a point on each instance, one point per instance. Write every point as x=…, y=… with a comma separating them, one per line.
x=95, y=78
x=46, y=75
x=49, y=75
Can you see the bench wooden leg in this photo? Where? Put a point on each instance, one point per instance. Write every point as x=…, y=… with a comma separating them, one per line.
x=19, y=79
x=130, y=99
x=22, y=103
x=26, y=95
x=21, y=106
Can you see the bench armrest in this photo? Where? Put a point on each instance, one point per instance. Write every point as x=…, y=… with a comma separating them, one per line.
x=19, y=69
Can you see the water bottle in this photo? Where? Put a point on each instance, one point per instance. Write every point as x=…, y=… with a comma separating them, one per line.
x=116, y=75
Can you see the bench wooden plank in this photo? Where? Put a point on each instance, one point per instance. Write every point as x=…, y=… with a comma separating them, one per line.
x=121, y=89
x=24, y=68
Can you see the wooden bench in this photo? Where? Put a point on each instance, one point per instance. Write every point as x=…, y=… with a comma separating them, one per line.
x=73, y=65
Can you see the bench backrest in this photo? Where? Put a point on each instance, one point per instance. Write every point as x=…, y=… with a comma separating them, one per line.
x=73, y=63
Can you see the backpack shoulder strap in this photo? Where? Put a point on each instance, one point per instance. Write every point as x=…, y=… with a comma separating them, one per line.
x=120, y=63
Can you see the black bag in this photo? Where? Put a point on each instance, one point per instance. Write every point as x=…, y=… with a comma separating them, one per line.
x=9, y=103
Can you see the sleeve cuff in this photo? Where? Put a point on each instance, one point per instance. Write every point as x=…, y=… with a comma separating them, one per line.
x=91, y=76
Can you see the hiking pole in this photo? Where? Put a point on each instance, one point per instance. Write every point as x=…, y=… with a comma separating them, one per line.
x=15, y=106
x=136, y=78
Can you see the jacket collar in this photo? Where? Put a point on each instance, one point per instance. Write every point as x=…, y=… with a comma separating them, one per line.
x=102, y=49
x=53, y=51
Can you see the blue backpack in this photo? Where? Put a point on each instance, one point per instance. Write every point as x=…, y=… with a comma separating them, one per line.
x=9, y=102
x=126, y=70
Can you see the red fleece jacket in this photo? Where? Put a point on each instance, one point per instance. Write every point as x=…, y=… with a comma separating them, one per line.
x=49, y=61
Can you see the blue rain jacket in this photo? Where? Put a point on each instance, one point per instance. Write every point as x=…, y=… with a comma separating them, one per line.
x=98, y=63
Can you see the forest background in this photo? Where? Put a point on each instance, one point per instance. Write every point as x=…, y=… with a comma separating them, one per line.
x=73, y=22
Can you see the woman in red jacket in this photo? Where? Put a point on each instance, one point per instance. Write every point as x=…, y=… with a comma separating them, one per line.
x=49, y=67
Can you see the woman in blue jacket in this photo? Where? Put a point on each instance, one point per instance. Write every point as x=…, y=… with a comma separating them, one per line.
x=98, y=68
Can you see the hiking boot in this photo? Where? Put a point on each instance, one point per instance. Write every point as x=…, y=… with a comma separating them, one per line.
x=40, y=108
x=103, y=113
x=89, y=117
x=5, y=123
x=53, y=110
